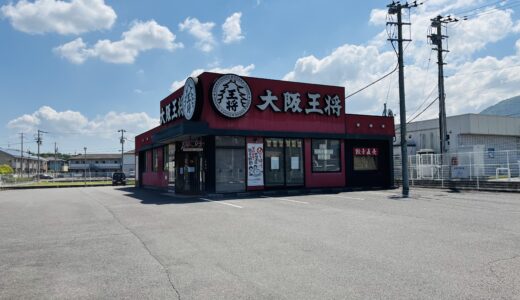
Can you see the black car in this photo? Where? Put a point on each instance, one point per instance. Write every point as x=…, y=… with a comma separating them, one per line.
x=43, y=176
x=118, y=178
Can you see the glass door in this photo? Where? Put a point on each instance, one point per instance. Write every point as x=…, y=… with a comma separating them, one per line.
x=188, y=173
x=294, y=162
x=274, y=162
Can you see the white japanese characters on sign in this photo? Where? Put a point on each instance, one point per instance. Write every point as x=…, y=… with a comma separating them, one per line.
x=292, y=102
x=189, y=98
x=366, y=151
x=171, y=111
x=231, y=96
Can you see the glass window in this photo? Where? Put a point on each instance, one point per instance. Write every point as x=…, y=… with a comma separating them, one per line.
x=230, y=141
x=294, y=161
x=230, y=156
x=155, y=160
x=165, y=158
x=326, y=156
x=274, y=162
x=171, y=162
x=230, y=168
x=365, y=163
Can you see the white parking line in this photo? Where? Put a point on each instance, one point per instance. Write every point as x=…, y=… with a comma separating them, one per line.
x=221, y=202
x=344, y=197
x=285, y=199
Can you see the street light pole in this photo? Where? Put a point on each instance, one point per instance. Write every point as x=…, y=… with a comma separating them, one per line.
x=122, y=141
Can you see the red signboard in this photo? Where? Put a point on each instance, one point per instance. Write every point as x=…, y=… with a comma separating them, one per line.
x=366, y=151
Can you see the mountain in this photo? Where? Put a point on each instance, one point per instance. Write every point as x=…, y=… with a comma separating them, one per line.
x=508, y=107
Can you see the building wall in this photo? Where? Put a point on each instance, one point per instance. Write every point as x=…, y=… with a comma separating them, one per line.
x=465, y=130
x=266, y=123
x=157, y=178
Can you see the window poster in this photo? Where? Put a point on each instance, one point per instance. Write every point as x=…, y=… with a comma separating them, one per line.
x=275, y=163
x=295, y=163
x=255, y=164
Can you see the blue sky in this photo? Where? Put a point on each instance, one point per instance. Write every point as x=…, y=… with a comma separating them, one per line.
x=81, y=69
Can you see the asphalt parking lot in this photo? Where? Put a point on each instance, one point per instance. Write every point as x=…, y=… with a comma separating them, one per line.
x=107, y=242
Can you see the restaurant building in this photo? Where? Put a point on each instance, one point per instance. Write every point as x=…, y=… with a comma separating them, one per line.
x=224, y=133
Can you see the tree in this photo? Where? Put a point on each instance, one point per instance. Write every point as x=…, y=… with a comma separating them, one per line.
x=6, y=170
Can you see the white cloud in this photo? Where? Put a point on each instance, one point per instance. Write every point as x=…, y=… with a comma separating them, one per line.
x=232, y=32
x=201, y=31
x=74, y=17
x=378, y=16
x=73, y=123
x=472, y=83
x=76, y=51
x=142, y=36
x=238, y=69
x=517, y=27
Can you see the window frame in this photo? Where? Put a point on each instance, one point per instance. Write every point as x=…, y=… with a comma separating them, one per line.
x=285, y=162
x=339, y=157
x=376, y=157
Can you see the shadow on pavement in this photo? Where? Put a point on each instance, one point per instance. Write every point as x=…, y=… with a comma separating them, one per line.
x=158, y=197
x=161, y=197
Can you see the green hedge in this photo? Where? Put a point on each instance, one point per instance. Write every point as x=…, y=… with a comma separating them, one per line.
x=6, y=170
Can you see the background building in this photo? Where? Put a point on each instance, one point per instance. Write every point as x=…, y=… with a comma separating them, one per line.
x=57, y=165
x=478, y=145
x=129, y=163
x=466, y=133
x=26, y=165
x=95, y=165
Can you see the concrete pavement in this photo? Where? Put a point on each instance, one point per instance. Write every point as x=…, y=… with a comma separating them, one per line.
x=121, y=242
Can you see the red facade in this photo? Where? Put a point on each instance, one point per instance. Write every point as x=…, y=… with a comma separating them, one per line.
x=310, y=117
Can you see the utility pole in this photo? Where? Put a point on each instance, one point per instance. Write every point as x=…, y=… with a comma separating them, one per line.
x=21, y=155
x=39, y=142
x=395, y=8
x=122, y=141
x=55, y=159
x=85, y=166
x=436, y=39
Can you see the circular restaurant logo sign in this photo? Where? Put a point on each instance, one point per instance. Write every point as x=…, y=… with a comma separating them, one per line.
x=189, y=98
x=231, y=96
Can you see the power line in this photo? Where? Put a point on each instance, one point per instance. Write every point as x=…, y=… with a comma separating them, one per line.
x=371, y=84
x=426, y=108
x=492, y=10
x=426, y=99
x=477, y=8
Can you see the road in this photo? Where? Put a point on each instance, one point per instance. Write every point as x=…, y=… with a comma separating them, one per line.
x=106, y=242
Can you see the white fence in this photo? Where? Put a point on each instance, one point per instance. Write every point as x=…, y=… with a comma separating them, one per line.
x=470, y=166
x=29, y=179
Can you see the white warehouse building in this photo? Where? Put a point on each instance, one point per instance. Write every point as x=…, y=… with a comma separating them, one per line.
x=487, y=143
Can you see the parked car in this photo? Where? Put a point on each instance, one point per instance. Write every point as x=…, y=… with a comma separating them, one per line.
x=118, y=178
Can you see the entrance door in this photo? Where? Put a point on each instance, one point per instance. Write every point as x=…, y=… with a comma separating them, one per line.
x=189, y=173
